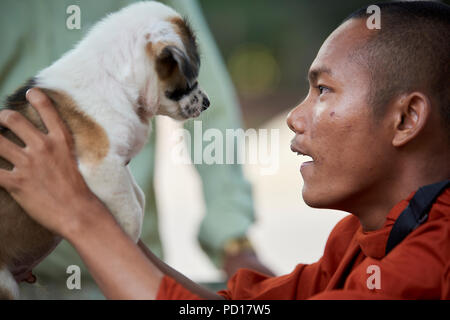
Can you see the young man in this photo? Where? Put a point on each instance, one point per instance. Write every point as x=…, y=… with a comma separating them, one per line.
x=376, y=123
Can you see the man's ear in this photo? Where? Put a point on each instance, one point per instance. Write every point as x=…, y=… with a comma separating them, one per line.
x=171, y=60
x=411, y=112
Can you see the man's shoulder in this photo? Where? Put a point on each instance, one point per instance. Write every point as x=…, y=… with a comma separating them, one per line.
x=441, y=207
x=437, y=226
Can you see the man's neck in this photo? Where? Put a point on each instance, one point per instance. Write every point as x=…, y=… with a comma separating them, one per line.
x=374, y=206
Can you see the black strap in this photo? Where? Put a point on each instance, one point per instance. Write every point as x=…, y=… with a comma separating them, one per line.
x=416, y=213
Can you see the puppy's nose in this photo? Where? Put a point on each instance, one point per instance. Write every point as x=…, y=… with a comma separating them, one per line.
x=205, y=103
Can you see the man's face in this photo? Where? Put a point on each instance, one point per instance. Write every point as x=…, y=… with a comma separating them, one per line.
x=335, y=126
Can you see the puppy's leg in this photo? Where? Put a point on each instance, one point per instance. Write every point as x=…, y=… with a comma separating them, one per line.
x=113, y=184
x=9, y=290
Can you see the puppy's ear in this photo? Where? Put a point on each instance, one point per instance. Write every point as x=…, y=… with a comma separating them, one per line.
x=172, y=60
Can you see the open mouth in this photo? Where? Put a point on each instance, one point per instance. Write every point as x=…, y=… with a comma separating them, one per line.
x=307, y=159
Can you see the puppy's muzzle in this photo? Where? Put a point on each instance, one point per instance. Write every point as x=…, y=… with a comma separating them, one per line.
x=194, y=103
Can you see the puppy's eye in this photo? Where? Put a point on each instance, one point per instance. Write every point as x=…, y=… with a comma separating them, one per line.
x=127, y=162
x=175, y=95
x=179, y=93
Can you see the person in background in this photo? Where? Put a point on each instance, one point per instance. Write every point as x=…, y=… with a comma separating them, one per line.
x=39, y=37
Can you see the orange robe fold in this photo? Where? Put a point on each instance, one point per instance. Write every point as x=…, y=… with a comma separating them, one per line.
x=417, y=268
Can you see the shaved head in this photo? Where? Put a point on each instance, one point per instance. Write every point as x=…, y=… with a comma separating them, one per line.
x=411, y=52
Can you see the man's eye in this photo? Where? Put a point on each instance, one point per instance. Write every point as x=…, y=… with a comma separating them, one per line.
x=322, y=89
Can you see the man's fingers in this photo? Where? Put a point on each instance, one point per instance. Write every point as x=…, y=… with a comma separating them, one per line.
x=5, y=178
x=20, y=125
x=46, y=110
x=9, y=150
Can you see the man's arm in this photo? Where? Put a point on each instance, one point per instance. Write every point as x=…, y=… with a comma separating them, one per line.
x=187, y=283
x=46, y=182
x=118, y=267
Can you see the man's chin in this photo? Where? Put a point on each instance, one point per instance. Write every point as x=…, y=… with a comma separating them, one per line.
x=309, y=197
x=328, y=199
x=313, y=203
x=315, y=199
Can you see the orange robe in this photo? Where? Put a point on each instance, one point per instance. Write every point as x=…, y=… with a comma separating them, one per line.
x=417, y=268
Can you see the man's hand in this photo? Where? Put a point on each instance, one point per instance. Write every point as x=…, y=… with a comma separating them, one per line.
x=45, y=179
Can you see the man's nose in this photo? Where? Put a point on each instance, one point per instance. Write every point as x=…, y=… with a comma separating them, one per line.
x=295, y=120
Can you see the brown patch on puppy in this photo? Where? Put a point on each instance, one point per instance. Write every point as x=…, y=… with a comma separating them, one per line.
x=154, y=49
x=142, y=111
x=91, y=141
x=150, y=49
x=23, y=241
x=165, y=65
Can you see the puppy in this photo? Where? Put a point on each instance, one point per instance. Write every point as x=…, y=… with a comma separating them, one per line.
x=136, y=63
